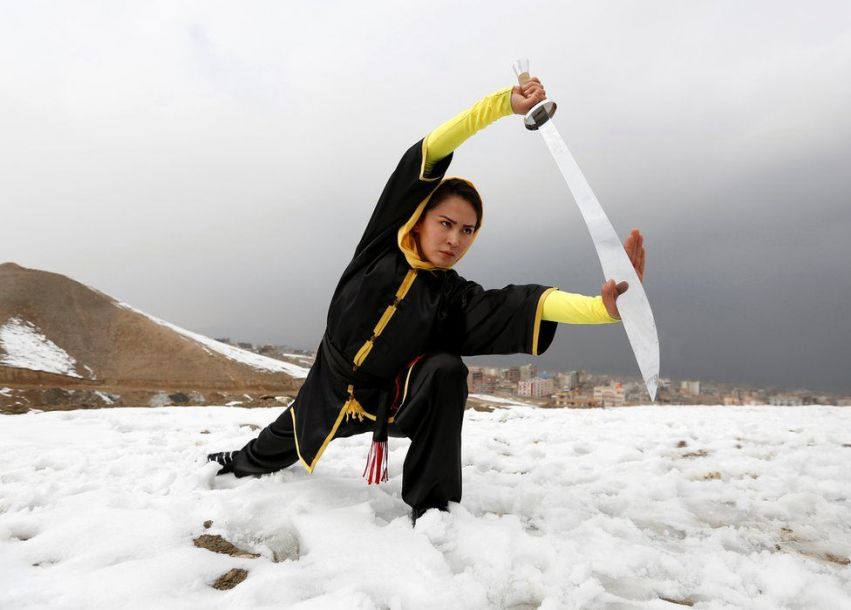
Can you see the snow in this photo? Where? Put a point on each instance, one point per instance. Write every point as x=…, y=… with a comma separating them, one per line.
x=27, y=348
x=105, y=397
x=263, y=363
x=616, y=508
x=498, y=399
x=6, y=391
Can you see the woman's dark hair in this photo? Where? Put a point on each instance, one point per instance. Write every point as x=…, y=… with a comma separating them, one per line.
x=456, y=186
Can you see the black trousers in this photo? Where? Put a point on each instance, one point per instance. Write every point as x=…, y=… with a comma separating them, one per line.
x=431, y=416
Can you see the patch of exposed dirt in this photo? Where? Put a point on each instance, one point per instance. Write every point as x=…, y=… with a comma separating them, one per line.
x=21, y=399
x=217, y=544
x=696, y=454
x=230, y=579
x=803, y=545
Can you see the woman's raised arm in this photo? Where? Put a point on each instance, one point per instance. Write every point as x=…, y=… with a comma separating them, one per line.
x=424, y=164
x=454, y=132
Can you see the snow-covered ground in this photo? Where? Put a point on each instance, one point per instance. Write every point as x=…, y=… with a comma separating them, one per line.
x=26, y=347
x=618, y=508
x=257, y=361
x=491, y=398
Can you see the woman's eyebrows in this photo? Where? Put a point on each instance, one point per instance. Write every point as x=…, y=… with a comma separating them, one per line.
x=453, y=221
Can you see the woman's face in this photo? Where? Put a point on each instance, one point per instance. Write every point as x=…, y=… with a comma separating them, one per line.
x=446, y=231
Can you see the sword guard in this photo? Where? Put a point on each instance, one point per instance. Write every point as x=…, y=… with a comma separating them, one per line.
x=539, y=114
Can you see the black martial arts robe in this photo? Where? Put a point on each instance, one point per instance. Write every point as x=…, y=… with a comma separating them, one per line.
x=389, y=307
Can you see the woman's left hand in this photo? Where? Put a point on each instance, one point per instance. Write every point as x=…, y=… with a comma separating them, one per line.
x=610, y=291
x=525, y=96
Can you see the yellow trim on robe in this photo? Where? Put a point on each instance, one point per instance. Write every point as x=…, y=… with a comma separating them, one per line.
x=407, y=381
x=424, y=167
x=350, y=408
x=408, y=243
x=312, y=465
x=404, y=287
x=539, y=311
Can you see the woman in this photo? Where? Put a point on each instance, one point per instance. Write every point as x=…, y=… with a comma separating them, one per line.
x=401, y=318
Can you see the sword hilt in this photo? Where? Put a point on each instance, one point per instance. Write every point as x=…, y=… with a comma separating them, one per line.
x=541, y=112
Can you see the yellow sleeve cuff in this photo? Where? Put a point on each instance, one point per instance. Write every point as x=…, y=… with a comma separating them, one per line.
x=570, y=308
x=454, y=132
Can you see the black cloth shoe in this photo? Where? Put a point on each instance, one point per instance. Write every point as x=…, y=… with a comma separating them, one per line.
x=419, y=511
x=224, y=459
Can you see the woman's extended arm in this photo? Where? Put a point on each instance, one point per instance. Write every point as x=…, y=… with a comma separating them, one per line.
x=454, y=132
x=570, y=308
x=578, y=309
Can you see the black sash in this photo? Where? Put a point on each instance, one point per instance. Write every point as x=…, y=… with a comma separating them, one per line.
x=345, y=370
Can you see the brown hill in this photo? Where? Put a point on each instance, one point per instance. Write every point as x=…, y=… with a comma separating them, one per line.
x=54, y=330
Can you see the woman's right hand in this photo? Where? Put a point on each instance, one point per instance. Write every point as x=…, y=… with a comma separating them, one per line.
x=610, y=291
x=525, y=96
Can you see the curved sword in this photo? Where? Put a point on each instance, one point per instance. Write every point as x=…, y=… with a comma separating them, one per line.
x=633, y=305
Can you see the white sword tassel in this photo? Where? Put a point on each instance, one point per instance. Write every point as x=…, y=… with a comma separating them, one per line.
x=633, y=305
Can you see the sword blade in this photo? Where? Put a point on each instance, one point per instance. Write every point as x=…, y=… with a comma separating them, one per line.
x=633, y=305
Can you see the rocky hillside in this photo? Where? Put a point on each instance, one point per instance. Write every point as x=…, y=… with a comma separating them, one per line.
x=58, y=334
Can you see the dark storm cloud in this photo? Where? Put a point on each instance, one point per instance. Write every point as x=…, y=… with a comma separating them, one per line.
x=215, y=167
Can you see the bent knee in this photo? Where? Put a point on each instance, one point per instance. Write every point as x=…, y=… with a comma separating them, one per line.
x=446, y=365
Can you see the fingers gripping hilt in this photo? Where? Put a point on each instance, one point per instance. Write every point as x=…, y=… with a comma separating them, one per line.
x=541, y=112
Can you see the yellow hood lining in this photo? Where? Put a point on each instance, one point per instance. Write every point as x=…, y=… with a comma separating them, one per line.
x=407, y=240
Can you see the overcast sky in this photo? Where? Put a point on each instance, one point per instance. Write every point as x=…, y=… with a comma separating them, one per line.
x=214, y=163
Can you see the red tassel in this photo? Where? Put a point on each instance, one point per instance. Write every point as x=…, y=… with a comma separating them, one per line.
x=376, y=463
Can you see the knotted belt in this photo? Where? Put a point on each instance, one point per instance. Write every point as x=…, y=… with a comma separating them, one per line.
x=376, y=462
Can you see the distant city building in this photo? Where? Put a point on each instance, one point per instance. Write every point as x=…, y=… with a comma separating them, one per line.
x=535, y=388
x=611, y=395
x=474, y=373
x=478, y=381
x=528, y=371
x=785, y=400
x=513, y=374
x=573, y=398
x=489, y=384
x=582, y=389
x=223, y=340
x=568, y=381
x=691, y=388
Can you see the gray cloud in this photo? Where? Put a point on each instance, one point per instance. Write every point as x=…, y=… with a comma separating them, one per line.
x=215, y=166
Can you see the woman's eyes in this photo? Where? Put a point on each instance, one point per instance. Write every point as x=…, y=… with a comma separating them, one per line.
x=448, y=225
